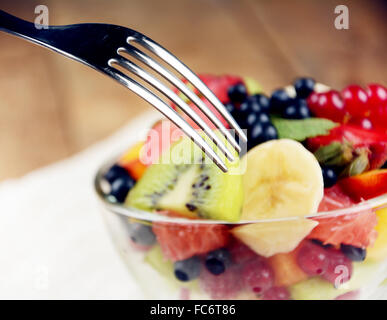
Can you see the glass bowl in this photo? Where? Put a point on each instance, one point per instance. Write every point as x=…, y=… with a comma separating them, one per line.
x=156, y=275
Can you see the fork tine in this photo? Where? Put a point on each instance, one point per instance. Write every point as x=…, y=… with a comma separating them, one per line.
x=134, y=52
x=129, y=65
x=167, y=111
x=191, y=77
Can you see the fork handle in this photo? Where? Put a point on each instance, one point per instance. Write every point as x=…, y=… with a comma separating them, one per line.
x=19, y=27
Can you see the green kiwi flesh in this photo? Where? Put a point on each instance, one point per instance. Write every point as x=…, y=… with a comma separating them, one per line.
x=190, y=188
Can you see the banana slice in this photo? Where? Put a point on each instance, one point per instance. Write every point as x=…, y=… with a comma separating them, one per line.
x=282, y=179
x=270, y=238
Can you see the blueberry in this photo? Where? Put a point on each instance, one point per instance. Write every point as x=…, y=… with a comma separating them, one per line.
x=330, y=176
x=262, y=100
x=353, y=253
x=304, y=87
x=245, y=110
x=237, y=93
x=290, y=112
x=121, y=186
x=254, y=135
x=261, y=132
x=252, y=118
x=298, y=109
x=263, y=118
x=303, y=110
x=187, y=270
x=141, y=234
x=279, y=100
x=115, y=172
x=385, y=165
x=248, y=107
x=217, y=261
x=230, y=108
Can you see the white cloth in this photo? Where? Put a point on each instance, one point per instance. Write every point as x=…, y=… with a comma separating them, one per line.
x=53, y=242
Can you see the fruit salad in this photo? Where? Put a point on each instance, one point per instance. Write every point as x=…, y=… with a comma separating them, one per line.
x=301, y=213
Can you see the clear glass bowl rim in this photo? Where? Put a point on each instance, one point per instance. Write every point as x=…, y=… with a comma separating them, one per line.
x=134, y=213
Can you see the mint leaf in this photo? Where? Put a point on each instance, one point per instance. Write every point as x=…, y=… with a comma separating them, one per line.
x=302, y=129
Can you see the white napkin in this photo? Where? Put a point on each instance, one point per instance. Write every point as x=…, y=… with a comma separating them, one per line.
x=53, y=242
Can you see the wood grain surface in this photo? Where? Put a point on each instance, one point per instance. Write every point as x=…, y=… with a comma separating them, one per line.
x=52, y=107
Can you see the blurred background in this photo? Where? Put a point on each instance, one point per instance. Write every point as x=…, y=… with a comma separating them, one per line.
x=52, y=107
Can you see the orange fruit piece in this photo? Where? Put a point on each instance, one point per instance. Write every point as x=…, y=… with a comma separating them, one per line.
x=285, y=267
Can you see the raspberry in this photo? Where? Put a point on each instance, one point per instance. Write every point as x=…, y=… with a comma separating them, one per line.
x=223, y=286
x=258, y=276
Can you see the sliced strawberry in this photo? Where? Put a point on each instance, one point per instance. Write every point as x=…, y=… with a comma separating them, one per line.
x=179, y=242
x=373, y=141
x=219, y=85
x=204, y=117
x=365, y=186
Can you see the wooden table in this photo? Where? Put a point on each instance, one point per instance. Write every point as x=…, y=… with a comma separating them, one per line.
x=51, y=107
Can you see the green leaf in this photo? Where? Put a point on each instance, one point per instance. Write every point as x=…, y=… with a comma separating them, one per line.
x=302, y=129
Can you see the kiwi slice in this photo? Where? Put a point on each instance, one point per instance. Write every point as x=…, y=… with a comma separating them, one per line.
x=189, y=185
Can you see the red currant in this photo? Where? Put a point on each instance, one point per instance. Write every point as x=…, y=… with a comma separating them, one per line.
x=377, y=97
x=364, y=123
x=328, y=105
x=355, y=99
x=377, y=94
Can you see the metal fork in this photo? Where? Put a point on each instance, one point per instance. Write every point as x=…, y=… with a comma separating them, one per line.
x=100, y=46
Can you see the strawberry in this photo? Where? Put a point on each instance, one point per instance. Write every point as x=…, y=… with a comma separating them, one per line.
x=373, y=142
x=179, y=242
x=219, y=85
